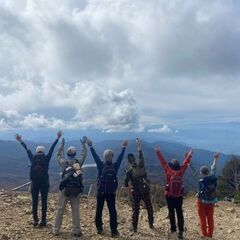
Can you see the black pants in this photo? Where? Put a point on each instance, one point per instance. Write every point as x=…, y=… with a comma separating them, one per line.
x=136, y=199
x=110, y=199
x=43, y=188
x=175, y=204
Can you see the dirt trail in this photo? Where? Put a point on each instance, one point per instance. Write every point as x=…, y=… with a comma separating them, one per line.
x=16, y=220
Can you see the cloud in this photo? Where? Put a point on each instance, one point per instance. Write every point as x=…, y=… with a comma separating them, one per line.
x=163, y=129
x=111, y=64
x=94, y=106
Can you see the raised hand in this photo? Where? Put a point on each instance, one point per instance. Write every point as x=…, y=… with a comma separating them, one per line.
x=83, y=140
x=139, y=145
x=89, y=142
x=216, y=155
x=59, y=134
x=190, y=153
x=18, y=137
x=125, y=143
x=157, y=148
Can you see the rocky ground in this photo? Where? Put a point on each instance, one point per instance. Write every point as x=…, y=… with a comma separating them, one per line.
x=16, y=220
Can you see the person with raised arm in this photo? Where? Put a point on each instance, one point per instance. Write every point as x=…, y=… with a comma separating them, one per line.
x=107, y=184
x=206, y=197
x=39, y=177
x=140, y=186
x=174, y=189
x=71, y=186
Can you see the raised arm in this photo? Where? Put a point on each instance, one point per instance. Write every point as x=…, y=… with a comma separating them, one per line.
x=60, y=154
x=49, y=155
x=141, y=158
x=213, y=166
x=194, y=171
x=94, y=154
x=84, y=151
x=162, y=159
x=29, y=153
x=186, y=161
x=120, y=157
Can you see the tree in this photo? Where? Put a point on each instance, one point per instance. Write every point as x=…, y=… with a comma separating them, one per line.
x=231, y=173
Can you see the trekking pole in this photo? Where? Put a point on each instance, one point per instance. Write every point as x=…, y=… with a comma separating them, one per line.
x=89, y=191
x=21, y=186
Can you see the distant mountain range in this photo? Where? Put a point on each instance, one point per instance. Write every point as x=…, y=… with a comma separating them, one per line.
x=14, y=164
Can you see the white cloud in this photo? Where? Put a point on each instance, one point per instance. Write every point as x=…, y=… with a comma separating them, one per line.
x=111, y=64
x=163, y=129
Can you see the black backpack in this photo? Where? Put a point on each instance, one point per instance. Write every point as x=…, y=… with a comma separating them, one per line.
x=141, y=183
x=107, y=181
x=38, y=169
x=72, y=183
x=208, y=187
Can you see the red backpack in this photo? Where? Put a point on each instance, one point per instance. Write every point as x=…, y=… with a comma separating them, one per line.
x=175, y=185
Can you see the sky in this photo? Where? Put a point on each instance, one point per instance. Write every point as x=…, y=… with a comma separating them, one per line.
x=152, y=66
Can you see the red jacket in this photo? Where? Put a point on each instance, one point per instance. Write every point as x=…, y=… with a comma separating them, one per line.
x=168, y=169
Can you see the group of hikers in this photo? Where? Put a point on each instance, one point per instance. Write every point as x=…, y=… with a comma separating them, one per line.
x=137, y=181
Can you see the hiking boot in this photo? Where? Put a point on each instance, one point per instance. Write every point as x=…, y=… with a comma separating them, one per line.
x=35, y=223
x=42, y=224
x=100, y=231
x=56, y=234
x=77, y=234
x=151, y=226
x=115, y=234
x=180, y=235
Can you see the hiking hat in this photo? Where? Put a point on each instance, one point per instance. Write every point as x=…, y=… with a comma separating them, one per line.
x=204, y=170
x=71, y=151
x=40, y=149
x=108, y=155
x=131, y=158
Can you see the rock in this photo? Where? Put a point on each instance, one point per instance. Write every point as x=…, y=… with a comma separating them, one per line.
x=231, y=210
x=230, y=231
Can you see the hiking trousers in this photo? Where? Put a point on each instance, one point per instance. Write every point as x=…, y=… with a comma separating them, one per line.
x=61, y=204
x=206, y=219
x=175, y=204
x=136, y=199
x=43, y=188
x=110, y=198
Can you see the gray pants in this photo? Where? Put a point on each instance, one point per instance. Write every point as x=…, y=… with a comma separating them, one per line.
x=62, y=202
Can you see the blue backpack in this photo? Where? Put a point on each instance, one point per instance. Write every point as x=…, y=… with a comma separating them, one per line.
x=107, y=181
x=207, y=188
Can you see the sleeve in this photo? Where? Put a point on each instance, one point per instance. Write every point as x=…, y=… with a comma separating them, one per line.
x=96, y=157
x=141, y=159
x=49, y=155
x=186, y=163
x=29, y=153
x=127, y=179
x=119, y=159
x=194, y=171
x=83, y=155
x=60, y=156
x=162, y=161
x=213, y=168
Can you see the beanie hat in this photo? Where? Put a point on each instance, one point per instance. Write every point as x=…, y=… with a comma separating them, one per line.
x=71, y=151
x=108, y=155
x=40, y=149
x=204, y=170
